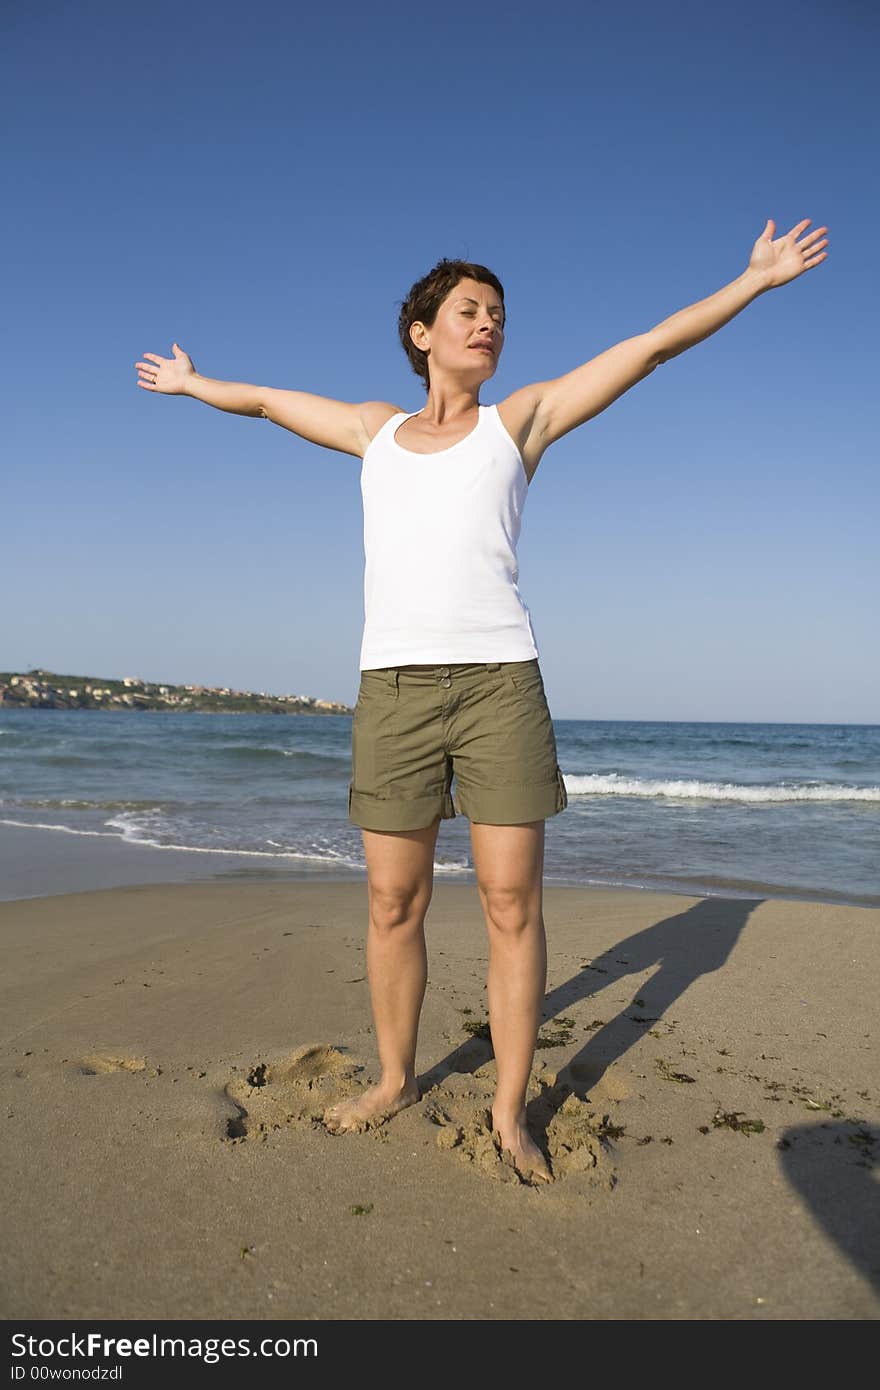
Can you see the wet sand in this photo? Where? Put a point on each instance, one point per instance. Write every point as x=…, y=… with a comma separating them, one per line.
x=705, y=1089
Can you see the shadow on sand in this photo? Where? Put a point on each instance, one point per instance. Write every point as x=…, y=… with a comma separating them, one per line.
x=685, y=946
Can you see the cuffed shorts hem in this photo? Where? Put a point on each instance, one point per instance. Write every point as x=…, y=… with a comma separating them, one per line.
x=511, y=805
x=398, y=813
x=481, y=806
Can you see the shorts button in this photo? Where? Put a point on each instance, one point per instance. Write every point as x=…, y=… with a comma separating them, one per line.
x=444, y=670
x=446, y=681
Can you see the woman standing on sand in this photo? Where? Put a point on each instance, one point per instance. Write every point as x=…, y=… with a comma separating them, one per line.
x=450, y=678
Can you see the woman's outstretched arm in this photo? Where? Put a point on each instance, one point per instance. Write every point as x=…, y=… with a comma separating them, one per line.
x=772, y=263
x=177, y=376
x=319, y=419
x=570, y=400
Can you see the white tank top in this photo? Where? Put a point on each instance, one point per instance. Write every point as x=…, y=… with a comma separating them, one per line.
x=440, y=536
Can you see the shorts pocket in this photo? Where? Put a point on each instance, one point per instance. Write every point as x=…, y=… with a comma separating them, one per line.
x=526, y=678
x=374, y=734
x=381, y=681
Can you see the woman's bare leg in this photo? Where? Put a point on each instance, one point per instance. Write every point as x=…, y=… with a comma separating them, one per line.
x=509, y=864
x=400, y=881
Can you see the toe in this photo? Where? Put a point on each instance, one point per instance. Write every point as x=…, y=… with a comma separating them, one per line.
x=532, y=1174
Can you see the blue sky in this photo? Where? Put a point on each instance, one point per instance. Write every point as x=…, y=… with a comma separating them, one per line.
x=263, y=185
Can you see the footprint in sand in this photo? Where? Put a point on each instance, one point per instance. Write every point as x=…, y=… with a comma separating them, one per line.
x=99, y=1063
x=298, y=1088
x=572, y=1133
x=295, y=1089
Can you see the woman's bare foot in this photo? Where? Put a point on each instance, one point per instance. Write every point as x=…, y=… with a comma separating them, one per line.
x=375, y=1104
x=514, y=1136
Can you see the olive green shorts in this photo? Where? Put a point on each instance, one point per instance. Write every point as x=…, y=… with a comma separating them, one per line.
x=486, y=723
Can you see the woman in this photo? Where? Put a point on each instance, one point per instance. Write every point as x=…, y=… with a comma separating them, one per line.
x=450, y=678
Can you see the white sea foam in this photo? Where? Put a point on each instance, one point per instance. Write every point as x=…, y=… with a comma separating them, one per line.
x=131, y=835
x=615, y=784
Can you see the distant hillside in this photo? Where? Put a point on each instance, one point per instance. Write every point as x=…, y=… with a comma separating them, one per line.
x=41, y=689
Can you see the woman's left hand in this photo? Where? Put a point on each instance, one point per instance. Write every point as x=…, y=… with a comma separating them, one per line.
x=785, y=259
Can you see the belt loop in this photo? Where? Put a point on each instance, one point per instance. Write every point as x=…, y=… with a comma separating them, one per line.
x=493, y=665
x=395, y=680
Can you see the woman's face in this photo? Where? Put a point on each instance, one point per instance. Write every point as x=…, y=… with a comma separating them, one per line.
x=468, y=332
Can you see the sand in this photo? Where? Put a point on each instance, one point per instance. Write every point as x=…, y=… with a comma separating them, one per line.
x=705, y=1088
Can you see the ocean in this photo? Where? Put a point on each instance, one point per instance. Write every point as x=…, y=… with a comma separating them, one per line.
x=710, y=809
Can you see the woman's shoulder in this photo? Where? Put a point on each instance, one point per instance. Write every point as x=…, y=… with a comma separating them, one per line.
x=375, y=414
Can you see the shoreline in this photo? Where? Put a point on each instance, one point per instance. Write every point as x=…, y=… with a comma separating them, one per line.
x=704, y=1088
x=88, y=861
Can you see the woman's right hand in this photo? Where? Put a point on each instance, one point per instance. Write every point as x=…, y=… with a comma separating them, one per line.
x=168, y=375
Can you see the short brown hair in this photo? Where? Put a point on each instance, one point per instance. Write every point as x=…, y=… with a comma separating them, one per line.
x=425, y=298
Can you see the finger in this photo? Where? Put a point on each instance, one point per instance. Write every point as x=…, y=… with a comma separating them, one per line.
x=146, y=386
x=811, y=251
x=815, y=260
x=808, y=240
x=155, y=358
x=796, y=231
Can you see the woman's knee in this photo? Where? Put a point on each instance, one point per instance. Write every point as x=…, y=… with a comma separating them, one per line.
x=511, y=911
x=400, y=875
x=397, y=905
